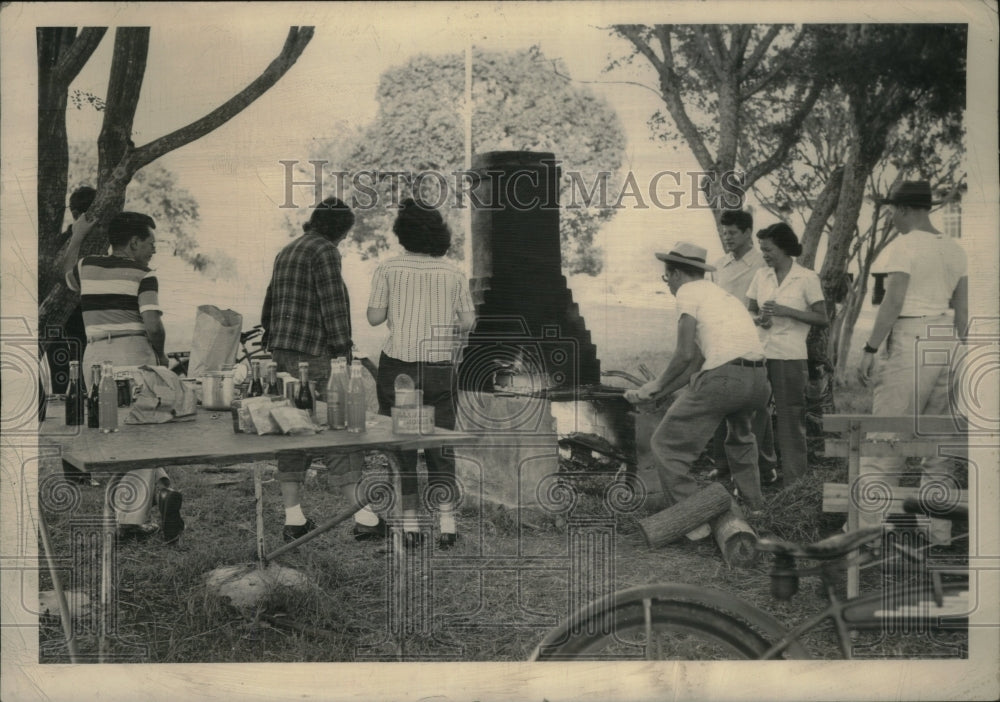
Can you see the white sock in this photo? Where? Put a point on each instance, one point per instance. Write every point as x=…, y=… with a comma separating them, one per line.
x=447, y=519
x=410, y=520
x=294, y=516
x=366, y=517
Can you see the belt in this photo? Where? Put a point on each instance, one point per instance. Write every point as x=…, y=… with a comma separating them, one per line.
x=748, y=364
x=108, y=336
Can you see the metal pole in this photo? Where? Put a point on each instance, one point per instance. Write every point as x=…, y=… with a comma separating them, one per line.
x=64, y=613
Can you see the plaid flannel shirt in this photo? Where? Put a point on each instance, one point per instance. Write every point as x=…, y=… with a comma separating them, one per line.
x=307, y=308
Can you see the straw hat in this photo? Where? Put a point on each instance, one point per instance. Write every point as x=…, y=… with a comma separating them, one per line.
x=688, y=254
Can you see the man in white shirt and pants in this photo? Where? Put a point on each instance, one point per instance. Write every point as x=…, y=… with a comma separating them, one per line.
x=926, y=274
x=720, y=360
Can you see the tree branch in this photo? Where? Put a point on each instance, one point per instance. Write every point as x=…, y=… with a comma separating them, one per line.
x=712, y=49
x=741, y=39
x=788, y=135
x=72, y=62
x=758, y=52
x=296, y=42
x=633, y=32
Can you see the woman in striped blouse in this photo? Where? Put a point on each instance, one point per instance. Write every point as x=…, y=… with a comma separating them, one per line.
x=425, y=301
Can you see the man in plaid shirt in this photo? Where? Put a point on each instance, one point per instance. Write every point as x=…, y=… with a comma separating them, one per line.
x=307, y=318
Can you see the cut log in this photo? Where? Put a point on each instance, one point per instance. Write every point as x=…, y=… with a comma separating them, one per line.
x=736, y=539
x=674, y=522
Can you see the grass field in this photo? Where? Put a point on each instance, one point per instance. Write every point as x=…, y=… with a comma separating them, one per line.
x=473, y=603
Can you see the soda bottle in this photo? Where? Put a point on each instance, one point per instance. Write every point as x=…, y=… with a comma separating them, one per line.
x=336, y=395
x=108, y=399
x=256, y=386
x=272, y=380
x=74, y=396
x=93, y=400
x=304, y=398
x=357, y=404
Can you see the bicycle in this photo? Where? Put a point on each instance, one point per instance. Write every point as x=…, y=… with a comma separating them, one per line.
x=682, y=622
x=251, y=352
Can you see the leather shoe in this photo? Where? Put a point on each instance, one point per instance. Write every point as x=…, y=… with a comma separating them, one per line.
x=412, y=539
x=134, y=533
x=446, y=541
x=169, y=501
x=293, y=532
x=364, y=532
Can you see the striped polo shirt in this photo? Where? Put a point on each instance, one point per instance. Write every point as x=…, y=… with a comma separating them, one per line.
x=114, y=292
x=423, y=295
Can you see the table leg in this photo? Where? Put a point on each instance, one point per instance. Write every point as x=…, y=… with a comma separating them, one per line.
x=64, y=613
x=258, y=492
x=106, y=607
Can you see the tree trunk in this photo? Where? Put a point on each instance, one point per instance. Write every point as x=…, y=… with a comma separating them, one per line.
x=62, y=53
x=119, y=158
x=826, y=205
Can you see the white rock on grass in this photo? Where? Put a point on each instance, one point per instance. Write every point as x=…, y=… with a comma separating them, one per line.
x=247, y=586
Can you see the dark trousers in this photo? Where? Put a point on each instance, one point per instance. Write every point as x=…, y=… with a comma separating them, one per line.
x=439, y=384
x=788, y=383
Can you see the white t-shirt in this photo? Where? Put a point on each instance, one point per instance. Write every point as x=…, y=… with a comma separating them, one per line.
x=935, y=263
x=734, y=275
x=785, y=340
x=725, y=329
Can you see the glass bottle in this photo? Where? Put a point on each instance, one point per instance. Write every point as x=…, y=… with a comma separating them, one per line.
x=74, y=396
x=93, y=400
x=336, y=395
x=357, y=404
x=108, y=399
x=272, y=380
x=256, y=386
x=304, y=398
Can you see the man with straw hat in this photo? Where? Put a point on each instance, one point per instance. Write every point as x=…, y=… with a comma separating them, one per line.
x=719, y=363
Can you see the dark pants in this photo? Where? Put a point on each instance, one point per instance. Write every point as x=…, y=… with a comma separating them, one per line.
x=439, y=383
x=728, y=393
x=788, y=383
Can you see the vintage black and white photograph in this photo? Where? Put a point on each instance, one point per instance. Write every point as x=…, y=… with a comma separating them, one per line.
x=613, y=345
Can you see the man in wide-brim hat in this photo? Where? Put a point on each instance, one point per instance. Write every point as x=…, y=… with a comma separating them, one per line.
x=926, y=275
x=719, y=363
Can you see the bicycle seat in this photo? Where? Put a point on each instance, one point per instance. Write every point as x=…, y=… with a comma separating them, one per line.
x=834, y=546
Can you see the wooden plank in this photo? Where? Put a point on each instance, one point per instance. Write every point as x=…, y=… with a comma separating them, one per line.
x=836, y=497
x=933, y=425
x=210, y=439
x=883, y=448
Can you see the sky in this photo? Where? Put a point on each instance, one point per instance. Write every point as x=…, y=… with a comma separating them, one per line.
x=235, y=175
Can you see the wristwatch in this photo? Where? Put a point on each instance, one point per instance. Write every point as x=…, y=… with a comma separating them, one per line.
x=869, y=349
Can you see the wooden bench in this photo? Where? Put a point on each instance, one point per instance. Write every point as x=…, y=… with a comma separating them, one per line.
x=923, y=437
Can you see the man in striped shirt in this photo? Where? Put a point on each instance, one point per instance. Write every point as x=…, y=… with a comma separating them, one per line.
x=122, y=316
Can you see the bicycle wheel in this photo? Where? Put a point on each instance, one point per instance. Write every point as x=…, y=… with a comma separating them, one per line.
x=665, y=622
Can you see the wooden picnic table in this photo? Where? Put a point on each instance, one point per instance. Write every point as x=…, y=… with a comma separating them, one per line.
x=208, y=438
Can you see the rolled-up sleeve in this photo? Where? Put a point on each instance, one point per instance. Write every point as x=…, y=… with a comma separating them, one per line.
x=149, y=290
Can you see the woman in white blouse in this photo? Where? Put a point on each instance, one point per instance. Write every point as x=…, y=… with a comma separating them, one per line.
x=786, y=300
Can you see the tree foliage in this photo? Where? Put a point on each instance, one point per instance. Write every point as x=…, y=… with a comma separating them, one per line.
x=61, y=55
x=720, y=82
x=521, y=101
x=155, y=191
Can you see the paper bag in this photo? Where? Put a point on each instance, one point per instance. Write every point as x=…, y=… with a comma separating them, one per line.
x=216, y=339
x=161, y=397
